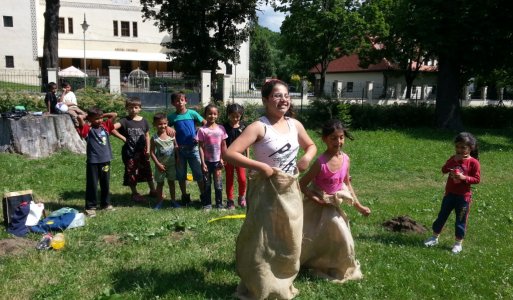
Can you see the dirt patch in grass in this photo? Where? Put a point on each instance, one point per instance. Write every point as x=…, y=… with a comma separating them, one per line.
x=112, y=239
x=15, y=246
x=404, y=224
x=177, y=235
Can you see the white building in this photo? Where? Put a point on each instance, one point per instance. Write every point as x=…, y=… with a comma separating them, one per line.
x=116, y=36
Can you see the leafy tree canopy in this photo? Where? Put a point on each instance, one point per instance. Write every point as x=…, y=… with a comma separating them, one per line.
x=318, y=31
x=391, y=36
x=203, y=32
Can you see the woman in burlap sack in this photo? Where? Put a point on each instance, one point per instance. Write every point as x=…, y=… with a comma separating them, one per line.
x=269, y=243
x=328, y=246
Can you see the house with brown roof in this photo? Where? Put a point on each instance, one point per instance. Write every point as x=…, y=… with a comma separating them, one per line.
x=346, y=79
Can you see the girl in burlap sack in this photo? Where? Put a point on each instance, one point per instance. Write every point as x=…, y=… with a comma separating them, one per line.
x=269, y=243
x=328, y=246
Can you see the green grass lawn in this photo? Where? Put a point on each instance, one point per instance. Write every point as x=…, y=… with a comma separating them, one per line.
x=134, y=252
x=4, y=85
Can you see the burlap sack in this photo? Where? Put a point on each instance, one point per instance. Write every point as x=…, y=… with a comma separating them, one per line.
x=328, y=246
x=269, y=243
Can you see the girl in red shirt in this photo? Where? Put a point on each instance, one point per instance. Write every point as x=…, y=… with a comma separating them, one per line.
x=464, y=169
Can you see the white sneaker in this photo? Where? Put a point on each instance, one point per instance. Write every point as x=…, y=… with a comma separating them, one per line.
x=456, y=248
x=432, y=241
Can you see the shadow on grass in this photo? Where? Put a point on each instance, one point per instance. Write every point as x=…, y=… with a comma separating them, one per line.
x=187, y=282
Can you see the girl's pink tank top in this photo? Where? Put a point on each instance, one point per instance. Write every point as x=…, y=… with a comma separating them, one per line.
x=331, y=182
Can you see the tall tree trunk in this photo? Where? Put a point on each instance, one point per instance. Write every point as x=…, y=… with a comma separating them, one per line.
x=51, y=39
x=448, y=110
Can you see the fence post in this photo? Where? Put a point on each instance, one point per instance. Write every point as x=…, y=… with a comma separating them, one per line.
x=304, y=92
x=423, y=92
x=227, y=83
x=370, y=89
x=115, y=79
x=52, y=75
x=337, y=86
x=206, y=80
x=398, y=91
x=484, y=93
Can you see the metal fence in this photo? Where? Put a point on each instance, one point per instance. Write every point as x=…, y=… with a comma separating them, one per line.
x=20, y=80
x=162, y=82
x=353, y=90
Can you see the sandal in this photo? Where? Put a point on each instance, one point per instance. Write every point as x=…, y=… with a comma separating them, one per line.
x=138, y=198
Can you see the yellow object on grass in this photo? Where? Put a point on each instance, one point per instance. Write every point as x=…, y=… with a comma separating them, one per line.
x=189, y=176
x=58, y=241
x=241, y=216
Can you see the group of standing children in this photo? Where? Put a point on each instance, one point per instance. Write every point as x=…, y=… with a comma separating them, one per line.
x=175, y=145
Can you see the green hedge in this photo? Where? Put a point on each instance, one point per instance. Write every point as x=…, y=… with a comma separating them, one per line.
x=86, y=98
x=31, y=101
x=400, y=116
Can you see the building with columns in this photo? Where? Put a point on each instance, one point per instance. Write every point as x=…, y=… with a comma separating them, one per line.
x=116, y=36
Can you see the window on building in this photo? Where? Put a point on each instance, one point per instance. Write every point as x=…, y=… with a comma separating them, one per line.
x=9, y=61
x=115, y=24
x=125, y=28
x=61, y=25
x=229, y=68
x=70, y=25
x=8, y=21
x=134, y=29
x=349, y=87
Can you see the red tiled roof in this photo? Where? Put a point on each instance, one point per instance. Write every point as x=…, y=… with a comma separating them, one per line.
x=350, y=63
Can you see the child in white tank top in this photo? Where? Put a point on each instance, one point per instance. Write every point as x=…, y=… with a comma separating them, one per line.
x=267, y=260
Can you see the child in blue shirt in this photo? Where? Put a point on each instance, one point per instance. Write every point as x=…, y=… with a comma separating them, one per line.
x=184, y=121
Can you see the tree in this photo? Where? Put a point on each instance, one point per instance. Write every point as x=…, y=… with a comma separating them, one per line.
x=203, y=33
x=469, y=38
x=261, y=60
x=51, y=39
x=316, y=32
x=390, y=36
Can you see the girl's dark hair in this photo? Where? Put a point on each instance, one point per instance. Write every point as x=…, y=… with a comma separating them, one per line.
x=332, y=125
x=470, y=141
x=268, y=87
x=208, y=107
x=235, y=108
x=159, y=116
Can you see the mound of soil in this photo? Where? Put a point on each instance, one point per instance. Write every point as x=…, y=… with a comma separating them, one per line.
x=404, y=224
x=14, y=246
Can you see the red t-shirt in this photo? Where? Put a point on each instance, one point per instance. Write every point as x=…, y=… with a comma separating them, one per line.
x=469, y=167
x=83, y=131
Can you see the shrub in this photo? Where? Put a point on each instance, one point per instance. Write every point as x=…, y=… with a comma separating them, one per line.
x=488, y=116
x=320, y=110
x=101, y=98
x=32, y=102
